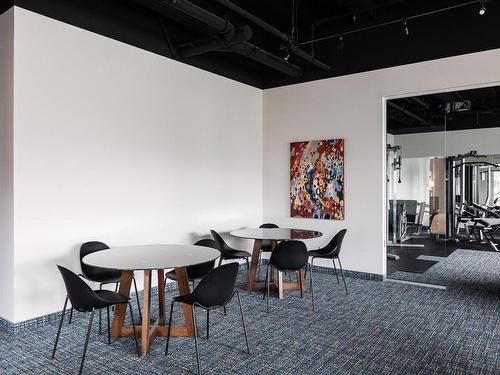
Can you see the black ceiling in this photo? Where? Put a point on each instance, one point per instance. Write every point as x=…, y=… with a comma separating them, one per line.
x=453, y=32
x=457, y=110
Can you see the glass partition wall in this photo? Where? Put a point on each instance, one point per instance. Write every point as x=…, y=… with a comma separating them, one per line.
x=443, y=185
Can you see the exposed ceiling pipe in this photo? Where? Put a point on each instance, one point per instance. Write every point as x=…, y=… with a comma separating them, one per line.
x=258, y=54
x=225, y=29
x=211, y=44
x=286, y=38
x=408, y=113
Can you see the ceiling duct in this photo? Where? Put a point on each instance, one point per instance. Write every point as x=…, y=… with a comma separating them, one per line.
x=230, y=38
x=289, y=40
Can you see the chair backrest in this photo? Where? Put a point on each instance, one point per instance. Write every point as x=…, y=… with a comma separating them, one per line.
x=199, y=270
x=81, y=296
x=217, y=287
x=267, y=244
x=89, y=248
x=289, y=255
x=335, y=244
x=222, y=246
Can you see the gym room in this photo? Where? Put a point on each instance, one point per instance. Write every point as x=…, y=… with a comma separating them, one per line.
x=443, y=188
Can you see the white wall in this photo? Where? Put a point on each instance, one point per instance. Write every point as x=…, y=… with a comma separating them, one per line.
x=118, y=144
x=352, y=107
x=484, y=141
x=6, y=164
x=414, y=180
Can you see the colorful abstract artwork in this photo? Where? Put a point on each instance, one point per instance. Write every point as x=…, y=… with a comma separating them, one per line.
x=317, y=179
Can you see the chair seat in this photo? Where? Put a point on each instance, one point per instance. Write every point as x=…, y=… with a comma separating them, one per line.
x=110, y=298
x=104, y=275
x=188, y=299
x=237, y=254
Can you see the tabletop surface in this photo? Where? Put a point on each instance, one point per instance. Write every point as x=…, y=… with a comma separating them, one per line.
x=149, y=257
x=276, y=234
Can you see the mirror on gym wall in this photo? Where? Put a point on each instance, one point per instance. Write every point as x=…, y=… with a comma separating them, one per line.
x=443, y=187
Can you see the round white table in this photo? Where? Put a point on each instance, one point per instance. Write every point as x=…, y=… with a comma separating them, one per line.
x=274, y=235
x=148, y=258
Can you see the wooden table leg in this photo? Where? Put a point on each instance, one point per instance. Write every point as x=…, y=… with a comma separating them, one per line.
x=145, y=337
x=183, y=285
x=121, y=310
x=161, y=295
x=302, y=281
x=254, y=263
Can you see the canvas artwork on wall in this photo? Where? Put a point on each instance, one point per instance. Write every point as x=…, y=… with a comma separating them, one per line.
x=317, y=179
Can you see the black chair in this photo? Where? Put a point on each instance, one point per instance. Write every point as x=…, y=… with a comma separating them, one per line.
x=197, y=271
x=84, y=299
x=331, y=251
x=228, y=253
x=289, y=256
x=101, y=275
x=214, y=291
x=266, y=245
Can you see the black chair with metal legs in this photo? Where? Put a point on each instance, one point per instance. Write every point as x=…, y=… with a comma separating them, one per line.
x=331, y=251
x=214, y=291
x=228, y=253
x=289, y=256
x=197, y=271
x=100, y=275
x=84, y=299
x=267, y=245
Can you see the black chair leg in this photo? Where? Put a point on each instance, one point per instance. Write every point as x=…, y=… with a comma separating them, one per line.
x=248, y=276
x=220, y=262
x=133, y=328
x=87, y=337
x=301, y=287
x=109, y=332
x=169, y=327
x=335, y=270
x=59, y=329
x=100, y=314
x=208, y=324
x=137, y=299
x=225, y=311
x=196, y=340
x=116, y=291
x=243, y=322
x=70, y=315
x=267, y=286
x=311, y=284
x=342, y=273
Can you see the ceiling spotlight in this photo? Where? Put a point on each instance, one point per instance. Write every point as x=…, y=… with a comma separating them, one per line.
x=406, y=31
x=482, y=9
x=340, y=47
x=287, y=57
x=354, y=17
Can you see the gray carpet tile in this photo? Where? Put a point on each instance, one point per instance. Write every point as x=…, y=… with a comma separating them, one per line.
x=463, y=269
x=378, y=328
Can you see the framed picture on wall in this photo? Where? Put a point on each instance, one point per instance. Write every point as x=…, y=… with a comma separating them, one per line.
x=317, y=179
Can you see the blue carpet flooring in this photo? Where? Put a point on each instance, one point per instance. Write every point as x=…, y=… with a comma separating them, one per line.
x=379, y=328
x=463, y=269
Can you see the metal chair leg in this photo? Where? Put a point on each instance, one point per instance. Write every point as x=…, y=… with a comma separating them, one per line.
x=258, y=265
x=169, y=327
x=59, y=329
x=301, y=287
x=335, y=270
x=87, y=337
x=220, y=262
x=225, y=311
x=109, y=332
x=267, y=287
x=133, y=327
x=100, y=314
x=208, y=324
x=265, y=284
x=70, y=315
x=243, y=322
x=248, y=276
x=196, y=340
x=137, y=299
x=342, y=273
x=311, y=284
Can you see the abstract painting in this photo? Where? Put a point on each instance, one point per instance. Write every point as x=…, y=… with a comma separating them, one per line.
x=317, y=179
